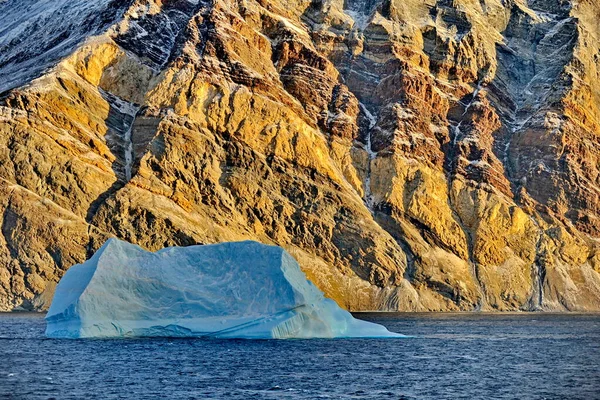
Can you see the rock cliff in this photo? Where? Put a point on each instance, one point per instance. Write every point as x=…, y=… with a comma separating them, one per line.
x=411, y=154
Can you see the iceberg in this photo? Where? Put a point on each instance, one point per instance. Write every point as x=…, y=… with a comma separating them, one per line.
x=230, y=290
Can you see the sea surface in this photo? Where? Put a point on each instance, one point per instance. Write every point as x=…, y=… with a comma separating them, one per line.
x=448, y=356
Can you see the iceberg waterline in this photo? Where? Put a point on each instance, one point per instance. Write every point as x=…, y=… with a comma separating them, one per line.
x=229, y=290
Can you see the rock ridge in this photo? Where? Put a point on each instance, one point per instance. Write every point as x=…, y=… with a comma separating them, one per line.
x=411, y=155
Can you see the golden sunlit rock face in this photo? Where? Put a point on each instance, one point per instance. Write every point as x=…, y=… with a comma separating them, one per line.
x=411, y=155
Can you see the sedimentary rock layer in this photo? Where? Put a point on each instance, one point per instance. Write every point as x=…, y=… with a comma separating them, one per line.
x=412, y=155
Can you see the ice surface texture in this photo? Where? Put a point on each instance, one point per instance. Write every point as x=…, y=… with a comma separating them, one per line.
x=229, y=290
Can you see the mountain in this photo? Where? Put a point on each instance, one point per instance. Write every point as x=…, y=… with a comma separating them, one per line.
x=412, y=155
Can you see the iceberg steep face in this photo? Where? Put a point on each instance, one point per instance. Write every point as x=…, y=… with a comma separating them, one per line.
x=230, y=290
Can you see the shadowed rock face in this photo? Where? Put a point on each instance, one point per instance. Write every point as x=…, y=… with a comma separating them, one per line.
x=412, y=155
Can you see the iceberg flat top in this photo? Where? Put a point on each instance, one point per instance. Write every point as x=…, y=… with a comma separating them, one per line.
x=229, y=290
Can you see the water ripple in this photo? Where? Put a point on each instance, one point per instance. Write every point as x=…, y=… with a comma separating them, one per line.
x=469, y=356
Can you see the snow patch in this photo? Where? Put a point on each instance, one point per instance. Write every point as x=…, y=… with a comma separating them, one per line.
x=369, y=198
x=361, y=21
x=129, y=151
x=36, y=34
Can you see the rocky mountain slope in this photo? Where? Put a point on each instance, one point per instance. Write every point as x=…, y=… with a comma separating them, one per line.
x=411, y=154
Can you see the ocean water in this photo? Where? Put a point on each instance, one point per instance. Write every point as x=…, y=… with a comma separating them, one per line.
x=449, y=356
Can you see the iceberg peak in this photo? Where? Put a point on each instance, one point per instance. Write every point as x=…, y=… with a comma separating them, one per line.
x=228, y=290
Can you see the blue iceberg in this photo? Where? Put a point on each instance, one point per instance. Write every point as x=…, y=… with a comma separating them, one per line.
x=230, y=290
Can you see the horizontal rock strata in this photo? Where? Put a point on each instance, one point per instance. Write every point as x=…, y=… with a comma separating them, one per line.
x=412, y=155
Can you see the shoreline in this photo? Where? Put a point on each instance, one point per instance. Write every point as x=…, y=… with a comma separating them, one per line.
x=395, y=313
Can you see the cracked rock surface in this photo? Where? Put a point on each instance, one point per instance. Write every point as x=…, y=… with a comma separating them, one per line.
x=412, y=155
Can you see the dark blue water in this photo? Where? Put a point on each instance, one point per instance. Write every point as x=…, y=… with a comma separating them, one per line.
x=451, y=356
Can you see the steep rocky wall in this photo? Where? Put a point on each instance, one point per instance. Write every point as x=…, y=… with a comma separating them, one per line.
x=412, y=155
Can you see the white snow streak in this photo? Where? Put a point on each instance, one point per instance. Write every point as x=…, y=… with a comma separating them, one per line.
x=369, y=198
